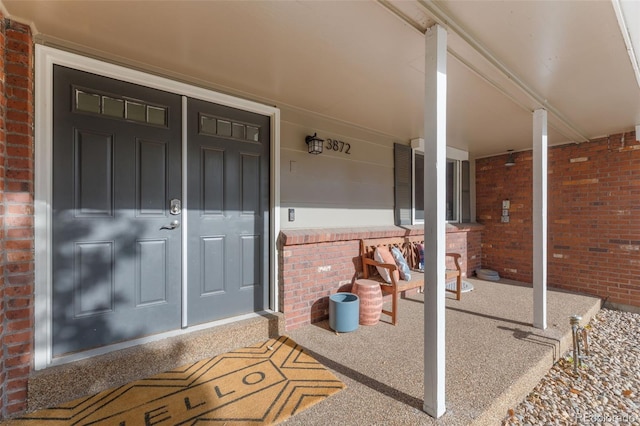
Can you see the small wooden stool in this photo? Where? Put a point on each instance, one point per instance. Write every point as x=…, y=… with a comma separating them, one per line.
x=370, y=296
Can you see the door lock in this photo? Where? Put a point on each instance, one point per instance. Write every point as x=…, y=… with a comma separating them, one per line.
x=175, y=208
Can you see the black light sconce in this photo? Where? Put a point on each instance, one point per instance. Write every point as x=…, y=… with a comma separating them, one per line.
x=510, y=161
x=315, y=144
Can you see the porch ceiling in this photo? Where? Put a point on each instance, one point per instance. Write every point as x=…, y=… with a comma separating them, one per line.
x=362, y=61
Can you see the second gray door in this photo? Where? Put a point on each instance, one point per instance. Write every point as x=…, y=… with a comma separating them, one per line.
x=228, y=211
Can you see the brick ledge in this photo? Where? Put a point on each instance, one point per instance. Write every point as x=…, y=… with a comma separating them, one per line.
x=291, y=237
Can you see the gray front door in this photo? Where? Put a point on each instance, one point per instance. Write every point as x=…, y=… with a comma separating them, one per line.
x=116, y=262
x=228, y=211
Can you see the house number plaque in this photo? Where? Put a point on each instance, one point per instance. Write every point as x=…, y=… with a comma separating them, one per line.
x=338, y=146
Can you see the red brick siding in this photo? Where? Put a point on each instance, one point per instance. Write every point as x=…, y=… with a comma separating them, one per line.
x=16, y=215
x=506, y=247
x=3, y=257
x=315, y=263
x=593, y=217
x=594, y=224
x=467, y=242
x=309, y=274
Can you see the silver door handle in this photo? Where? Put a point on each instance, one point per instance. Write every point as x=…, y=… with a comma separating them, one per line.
x=173, y=225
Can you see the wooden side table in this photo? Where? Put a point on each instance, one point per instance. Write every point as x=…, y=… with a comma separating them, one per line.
x=370, y=296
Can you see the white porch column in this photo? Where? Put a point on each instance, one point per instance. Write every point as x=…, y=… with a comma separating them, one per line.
x=435, y=164
x=540, y=218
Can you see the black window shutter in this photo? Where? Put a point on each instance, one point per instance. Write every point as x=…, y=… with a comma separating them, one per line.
x=402, y=183
x=466, y=193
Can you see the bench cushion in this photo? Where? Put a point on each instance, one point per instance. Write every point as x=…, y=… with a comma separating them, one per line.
x=417, y=280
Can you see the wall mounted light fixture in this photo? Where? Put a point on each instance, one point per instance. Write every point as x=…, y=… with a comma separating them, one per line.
x=510, y=161
x=314, y=144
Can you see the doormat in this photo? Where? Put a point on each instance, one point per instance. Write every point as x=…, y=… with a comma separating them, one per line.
x=259, y=385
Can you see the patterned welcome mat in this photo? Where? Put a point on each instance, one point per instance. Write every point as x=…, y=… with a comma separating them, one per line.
x=258, y=385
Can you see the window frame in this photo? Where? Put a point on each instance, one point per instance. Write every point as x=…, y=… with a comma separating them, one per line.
x=454, y=156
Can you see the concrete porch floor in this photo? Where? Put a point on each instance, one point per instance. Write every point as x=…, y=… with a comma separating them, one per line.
x=494, y=358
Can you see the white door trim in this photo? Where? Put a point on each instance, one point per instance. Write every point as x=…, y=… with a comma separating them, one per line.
x=45, y=58
x=185, y=211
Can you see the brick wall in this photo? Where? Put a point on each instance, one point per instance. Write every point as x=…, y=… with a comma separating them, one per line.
x=16, y=215
x=593, y=217
x=3, y=257
x=315, y=263
x=506, y=247
x=466, y=240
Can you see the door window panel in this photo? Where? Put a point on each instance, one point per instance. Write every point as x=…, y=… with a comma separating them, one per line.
x=156, y=115
x=253, y=134
x=208, y=125
x=135, y=112
x=224, y=128
x=88, y=101
x=227, y=128
x=238, y=131
x=113, y=107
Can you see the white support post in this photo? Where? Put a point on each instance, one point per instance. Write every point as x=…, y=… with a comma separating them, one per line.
x=435, y=164
x=540, y=218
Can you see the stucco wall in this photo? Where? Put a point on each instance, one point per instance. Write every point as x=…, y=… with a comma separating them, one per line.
x=335, y=188
x=350, y=184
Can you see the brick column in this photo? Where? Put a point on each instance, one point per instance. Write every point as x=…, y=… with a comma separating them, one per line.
x=16, y=215
x=3, y=150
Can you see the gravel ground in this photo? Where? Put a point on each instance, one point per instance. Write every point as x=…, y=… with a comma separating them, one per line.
x=605, y=391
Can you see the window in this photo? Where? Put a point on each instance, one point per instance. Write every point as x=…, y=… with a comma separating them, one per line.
x=454, y=190
x=409, y=186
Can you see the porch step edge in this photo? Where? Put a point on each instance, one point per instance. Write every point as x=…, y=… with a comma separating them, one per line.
x=63, y=383
x=524, y=384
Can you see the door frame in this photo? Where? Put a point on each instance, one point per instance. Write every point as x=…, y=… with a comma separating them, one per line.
x=45, y=58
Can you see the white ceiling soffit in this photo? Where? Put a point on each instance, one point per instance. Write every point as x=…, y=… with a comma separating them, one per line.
x=347, y=60
x=358, y=63
x=471, y=52
x=628, y=14
x=570, y=54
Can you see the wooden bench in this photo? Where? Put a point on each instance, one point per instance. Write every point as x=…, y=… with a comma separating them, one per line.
x=408, y=246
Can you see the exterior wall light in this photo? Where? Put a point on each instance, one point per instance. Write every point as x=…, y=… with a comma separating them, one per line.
x=510, y=161
x=315, y=144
